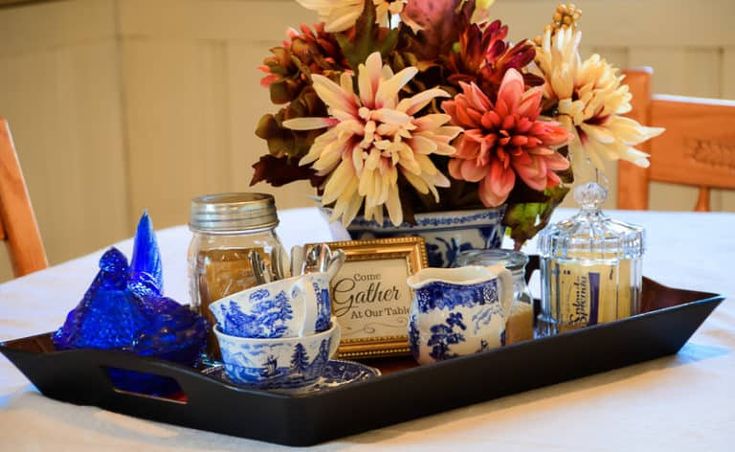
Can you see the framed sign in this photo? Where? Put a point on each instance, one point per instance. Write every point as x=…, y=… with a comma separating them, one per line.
x=370, y=297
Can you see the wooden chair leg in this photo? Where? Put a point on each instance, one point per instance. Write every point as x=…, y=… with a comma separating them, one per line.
x=632, y=180
x=702, y=200
x=24, y=242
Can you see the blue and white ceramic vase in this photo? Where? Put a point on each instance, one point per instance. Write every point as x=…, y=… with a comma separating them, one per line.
x=446, y=233
x=458, y=311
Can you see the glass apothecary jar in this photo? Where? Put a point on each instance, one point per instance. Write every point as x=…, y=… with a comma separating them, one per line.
x=590, y=267
x=226, y=228
x=520, y=325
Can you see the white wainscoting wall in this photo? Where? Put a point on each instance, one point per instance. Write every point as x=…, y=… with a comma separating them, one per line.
x=123, y=105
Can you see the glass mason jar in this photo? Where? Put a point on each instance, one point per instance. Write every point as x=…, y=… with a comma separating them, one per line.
x=590, y=267
x=520, y=326
x=226, y=228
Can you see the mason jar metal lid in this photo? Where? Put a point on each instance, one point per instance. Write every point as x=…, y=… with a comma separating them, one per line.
x=232, y=212
x=512, y=260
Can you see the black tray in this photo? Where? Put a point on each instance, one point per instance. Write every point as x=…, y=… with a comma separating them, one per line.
x=403, y=392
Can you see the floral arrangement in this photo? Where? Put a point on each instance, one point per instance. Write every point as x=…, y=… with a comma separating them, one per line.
x=406, y=106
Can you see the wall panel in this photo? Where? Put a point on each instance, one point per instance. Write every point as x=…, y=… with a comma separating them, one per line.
x=248, y=102
x=631, y=23
x=63, y=106
x=177, y=124
x=121, y=105
x=234, y=37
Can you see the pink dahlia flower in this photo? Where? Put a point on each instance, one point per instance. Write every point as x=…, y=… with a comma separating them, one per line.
x=506, y=139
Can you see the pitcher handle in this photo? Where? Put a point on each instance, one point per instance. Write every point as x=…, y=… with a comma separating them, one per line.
x=311, y=305
x=336, y=338
x=506, y=289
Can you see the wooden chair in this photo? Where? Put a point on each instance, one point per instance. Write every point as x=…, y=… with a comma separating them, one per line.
x=697, y=149
x=17, y=222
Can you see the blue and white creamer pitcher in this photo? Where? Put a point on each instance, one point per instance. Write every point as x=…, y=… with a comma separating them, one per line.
x=458, y=311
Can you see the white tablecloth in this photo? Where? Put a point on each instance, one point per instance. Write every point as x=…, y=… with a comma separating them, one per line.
x=682, y=402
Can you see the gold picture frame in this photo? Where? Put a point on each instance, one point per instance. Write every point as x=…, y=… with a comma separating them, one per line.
x=371, y=302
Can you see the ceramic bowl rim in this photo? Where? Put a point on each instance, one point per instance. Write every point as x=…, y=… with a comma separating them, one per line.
x=278, y=340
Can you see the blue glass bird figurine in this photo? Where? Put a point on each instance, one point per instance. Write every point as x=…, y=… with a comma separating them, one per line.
x=124, y=309
x=146, y=270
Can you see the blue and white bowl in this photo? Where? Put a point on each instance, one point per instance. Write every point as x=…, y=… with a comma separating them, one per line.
x=446, y=233
x=288, y=362
x=291, y=307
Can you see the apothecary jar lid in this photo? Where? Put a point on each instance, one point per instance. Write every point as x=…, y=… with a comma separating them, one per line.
x=224, y=213
x=590, y=234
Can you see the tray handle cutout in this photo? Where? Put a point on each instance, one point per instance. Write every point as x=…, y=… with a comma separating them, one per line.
x=145, y=384
x=149, y=380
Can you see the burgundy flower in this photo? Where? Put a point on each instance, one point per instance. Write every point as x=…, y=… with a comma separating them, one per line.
x=484, y=56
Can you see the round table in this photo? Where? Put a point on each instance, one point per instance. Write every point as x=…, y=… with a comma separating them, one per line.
x=681, y=402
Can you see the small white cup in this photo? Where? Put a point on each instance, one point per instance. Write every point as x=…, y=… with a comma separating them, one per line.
x=293, y=307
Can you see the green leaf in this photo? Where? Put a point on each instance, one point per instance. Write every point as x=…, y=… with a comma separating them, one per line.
x=389, y=43
x=279, y=171
x=366, y=37
x=279, y=92
x=526, y=219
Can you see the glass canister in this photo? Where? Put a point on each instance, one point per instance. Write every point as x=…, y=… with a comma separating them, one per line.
x=590, y=267
x=227, y=228
x=520, y=325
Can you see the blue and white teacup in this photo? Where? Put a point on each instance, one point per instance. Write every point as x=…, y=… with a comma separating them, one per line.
x=287, y=362
x=292, y=307
x=458, y=311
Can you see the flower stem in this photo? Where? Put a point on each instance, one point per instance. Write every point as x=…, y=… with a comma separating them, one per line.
x=602, y=179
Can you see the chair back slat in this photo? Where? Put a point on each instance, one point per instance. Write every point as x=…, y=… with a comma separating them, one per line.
x=633, y=180
x=697, y=149
x=18, y=222
x=2, y=229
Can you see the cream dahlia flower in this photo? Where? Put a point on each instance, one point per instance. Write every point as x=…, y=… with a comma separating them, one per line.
x=385, y=9
x=558, y=58
x=590, y=101
x=339, y=15
x=373, y=136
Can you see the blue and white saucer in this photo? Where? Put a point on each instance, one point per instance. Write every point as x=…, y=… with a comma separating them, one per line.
x=336, y=373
